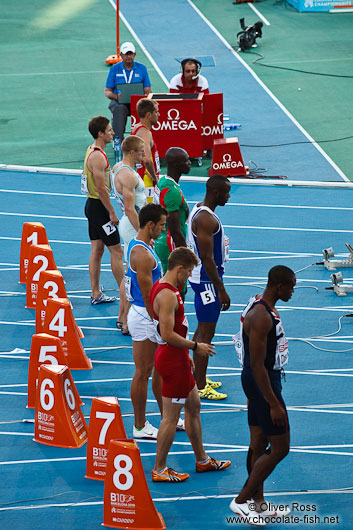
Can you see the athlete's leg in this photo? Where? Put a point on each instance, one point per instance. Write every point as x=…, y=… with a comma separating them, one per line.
x=193, y=424
x=257, y=447
x=116, y=260
x=204, y=333
x=94, y=266
x=264, y=466
x=124, y=306
x=166, y=432
x=143, y=353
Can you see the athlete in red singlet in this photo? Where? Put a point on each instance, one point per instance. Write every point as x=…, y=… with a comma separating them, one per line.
x=174, y=364
x=148, y=170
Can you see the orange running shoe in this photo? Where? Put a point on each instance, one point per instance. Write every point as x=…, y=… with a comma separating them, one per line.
x=169, y=475
x=212, y=465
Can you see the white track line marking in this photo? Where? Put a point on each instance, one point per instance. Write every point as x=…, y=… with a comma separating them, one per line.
x=264, y=19
x=274, y=98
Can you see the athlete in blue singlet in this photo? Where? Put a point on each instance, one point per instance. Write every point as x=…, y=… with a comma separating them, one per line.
x=206, y=238
x=143, y=271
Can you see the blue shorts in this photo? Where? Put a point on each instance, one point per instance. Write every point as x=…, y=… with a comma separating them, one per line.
x=258, y=408
x=207, y=304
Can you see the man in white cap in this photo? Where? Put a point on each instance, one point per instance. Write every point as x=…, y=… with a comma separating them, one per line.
x=125, y=72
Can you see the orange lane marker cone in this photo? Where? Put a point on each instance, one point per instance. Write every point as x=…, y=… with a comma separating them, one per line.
x=45, y=349
x=58, y=419
x=51, y=285
x=127, y=500
x=32, y=234
x=59, y=322
x=40, y=259
x=105, y=424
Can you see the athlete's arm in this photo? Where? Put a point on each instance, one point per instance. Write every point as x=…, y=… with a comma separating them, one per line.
x=128, y=184
x=174, y=227
x=204, y=226
x=146, y=136
x=97, y=165
x=143, y=262
x=257, y=325
x=165, y=305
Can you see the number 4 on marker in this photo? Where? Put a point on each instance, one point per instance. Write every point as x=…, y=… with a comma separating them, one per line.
x=58, y=323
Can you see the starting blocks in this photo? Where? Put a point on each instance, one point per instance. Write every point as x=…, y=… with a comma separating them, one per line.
x=59, y=322
x=40, y=259
x=105, y=424
x=127, y=500
x=58, y=419
x=331, y=264
x=32, y=234
x=340, y=288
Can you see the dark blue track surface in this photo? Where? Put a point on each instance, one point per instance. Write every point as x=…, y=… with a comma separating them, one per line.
x=266, y=226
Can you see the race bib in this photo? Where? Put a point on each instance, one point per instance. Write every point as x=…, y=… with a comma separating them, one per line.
x=109, y=228
x=127, y=280
x=157, y=162
x=226, y=249
x=207, y=297
x=84, y=187
x=238, y=345
x=156, y=195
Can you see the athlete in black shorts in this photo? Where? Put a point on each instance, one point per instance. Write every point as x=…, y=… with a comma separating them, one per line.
x=265, y=351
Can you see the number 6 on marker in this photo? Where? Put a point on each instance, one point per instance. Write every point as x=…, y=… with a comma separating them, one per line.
x=46, y=395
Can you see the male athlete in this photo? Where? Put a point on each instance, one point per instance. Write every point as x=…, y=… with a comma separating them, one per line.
x=263, y=353
x=147, y=109
x=102, y=219
x=206, y=238
x=172, y=199
x=143, y=271
x=174, y=364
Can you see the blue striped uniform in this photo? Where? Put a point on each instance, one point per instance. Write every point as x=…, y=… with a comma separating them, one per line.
x=133, y=292
x=207, y=304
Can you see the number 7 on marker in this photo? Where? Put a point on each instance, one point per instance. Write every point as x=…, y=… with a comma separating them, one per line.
x=108, y=417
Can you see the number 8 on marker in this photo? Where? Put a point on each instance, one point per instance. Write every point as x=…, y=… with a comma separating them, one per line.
x=123, y=471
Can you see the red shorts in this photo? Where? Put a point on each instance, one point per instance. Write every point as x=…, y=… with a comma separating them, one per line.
x=173, y=364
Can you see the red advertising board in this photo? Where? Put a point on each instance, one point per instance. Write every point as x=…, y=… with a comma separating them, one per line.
x=189, y=123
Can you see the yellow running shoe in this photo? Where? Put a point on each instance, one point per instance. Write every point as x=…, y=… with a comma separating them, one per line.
x=213, y=384
x=210, y=393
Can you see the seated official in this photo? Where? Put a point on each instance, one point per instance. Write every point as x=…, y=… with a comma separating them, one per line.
x=126, y=72
x=189, y=81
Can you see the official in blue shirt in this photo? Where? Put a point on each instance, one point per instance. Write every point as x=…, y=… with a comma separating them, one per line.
x=127, y=71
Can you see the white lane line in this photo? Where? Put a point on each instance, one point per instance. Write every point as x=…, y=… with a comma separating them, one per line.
x=54, y=194
x=272, y=96
x=54, y=241
x=288, y=229
x=263, y=18
x=43, y=216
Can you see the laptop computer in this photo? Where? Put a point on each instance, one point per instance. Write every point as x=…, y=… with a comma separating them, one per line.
x=127, y=89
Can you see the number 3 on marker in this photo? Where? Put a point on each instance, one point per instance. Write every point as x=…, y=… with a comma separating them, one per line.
x=123, y=472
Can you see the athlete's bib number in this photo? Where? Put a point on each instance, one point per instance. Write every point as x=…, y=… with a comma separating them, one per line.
x=84, y=187
x=122, y=478
x=129, y=296
x=226, y=249
x=207, y=297
x=109, y=228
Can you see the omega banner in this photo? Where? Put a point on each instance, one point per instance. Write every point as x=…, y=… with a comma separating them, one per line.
x=192, y=124
x=321, y=5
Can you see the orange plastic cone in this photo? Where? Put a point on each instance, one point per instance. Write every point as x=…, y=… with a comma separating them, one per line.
x=45, y=349
x=127, y=499
x=51, y=285
x=40, y=259
x=58, y=419
x=32, y=234
x=105, y=423
x=59, y=322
